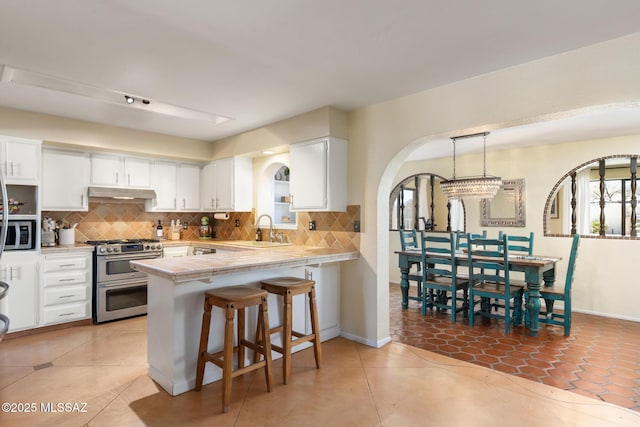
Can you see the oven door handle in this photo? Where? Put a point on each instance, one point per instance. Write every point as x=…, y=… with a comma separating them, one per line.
x=130, y=257
x=123, y=285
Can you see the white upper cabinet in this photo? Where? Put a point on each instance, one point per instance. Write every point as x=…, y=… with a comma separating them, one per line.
x=20, y=160
x=227, y=185
x=318, y=175
x=188, y=187
x=62, y=191
x=120, y=171
x=177, y=187
x=164, y=180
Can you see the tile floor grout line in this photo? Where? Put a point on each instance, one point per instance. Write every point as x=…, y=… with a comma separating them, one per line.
x=371, y=395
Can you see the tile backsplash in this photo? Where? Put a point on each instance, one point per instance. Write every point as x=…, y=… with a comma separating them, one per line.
x=108, y=219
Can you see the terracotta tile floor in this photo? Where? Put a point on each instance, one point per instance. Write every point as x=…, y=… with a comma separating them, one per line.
x=601, y=358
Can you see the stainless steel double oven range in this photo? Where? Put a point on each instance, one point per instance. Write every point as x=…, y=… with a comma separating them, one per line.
x=120, y=291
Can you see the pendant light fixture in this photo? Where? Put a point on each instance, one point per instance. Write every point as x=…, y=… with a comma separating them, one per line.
x=475, y=187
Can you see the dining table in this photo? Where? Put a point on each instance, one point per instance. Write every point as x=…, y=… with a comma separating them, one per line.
x=538, y=271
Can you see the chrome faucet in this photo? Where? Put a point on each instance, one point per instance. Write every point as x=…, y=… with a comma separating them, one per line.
x=270, y=225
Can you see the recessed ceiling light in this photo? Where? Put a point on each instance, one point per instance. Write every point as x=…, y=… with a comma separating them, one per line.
x=13, y=75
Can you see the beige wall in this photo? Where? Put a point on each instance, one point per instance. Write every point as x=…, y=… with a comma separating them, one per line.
x=326, y=121
x=381, y=135
x=54, y=130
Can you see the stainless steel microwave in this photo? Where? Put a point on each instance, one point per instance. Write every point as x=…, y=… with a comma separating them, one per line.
x=20, y=235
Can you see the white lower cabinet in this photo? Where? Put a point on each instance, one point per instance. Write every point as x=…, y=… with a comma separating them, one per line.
x=66, y=287
x=20, y=271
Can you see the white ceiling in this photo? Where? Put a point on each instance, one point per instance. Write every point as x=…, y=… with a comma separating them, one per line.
x=262, y=61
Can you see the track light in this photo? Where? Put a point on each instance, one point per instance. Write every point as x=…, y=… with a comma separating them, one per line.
x=129, y=99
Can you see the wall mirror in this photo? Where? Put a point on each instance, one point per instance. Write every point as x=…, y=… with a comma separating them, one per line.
x=598, y=198
x=418, y=203
x=507, y=208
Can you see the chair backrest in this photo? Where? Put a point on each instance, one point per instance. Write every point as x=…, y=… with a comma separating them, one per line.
x=494, y=264
x=462, y=238
x=572, y=264
x=409, y=239
x=519, y=243
x=438, y=255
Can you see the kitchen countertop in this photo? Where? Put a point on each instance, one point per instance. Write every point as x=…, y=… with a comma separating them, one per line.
x=60, y=249
x=203, y=267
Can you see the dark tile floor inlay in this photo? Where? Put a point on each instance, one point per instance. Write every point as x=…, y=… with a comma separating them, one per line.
x=601, y=358
x=43, y=366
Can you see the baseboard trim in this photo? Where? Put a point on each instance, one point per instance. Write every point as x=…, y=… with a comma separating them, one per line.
x=49, y=328
x=361, y=340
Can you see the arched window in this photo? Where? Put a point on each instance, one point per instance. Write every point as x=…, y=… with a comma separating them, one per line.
x=596, y=199
x=417, y=202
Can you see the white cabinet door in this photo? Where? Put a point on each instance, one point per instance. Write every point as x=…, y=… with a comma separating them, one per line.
x=119, y=171
x=188, y=187
x=62, y=190
x=227, y=185
x=107, y=169
x=224, y=185
x=208, y=189
x=137, y=172
x=308, y=176
x=20, y=160
x=20, y=271
x=318, y=175
x=164, y=178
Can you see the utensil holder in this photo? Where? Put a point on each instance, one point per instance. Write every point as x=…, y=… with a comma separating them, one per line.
x=66, y=236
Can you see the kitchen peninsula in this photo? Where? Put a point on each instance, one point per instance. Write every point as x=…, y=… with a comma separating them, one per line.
x=176, y=299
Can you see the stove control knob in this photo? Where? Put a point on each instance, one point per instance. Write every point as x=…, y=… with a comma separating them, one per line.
x=101, y=250
x=116, y=249
x=109, y=249
x=146, y=247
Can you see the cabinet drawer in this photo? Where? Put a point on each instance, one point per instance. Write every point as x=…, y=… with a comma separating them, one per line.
x=66, y=312
x=65, y=294
x=67, y=263
x=66, y=278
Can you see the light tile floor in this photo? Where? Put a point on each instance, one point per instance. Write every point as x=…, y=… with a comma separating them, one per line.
x=104, y=366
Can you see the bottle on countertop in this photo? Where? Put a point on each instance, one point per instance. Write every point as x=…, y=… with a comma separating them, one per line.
x=258, y=235
x=159, y=232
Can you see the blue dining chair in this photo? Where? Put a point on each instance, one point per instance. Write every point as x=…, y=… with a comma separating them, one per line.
x=409, y=241
x=522, y=244
x=488, y=261
x=554, y=293
x=461, y=238
x=440, y=282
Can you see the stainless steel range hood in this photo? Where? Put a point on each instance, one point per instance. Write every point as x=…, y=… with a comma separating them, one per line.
x=122, y=193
